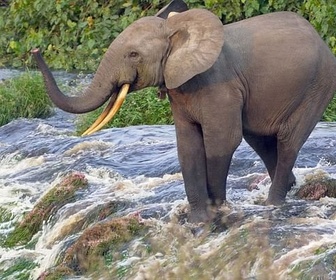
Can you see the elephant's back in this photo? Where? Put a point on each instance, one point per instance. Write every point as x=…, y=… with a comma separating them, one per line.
x=281, y=42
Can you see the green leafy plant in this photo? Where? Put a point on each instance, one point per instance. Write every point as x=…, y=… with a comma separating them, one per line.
x=75, y=34
x=330, y=113
x=66, y=30
x=321, y=14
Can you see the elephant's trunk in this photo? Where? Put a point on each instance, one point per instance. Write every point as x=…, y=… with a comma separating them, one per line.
x=97, y=93
x=100, y=89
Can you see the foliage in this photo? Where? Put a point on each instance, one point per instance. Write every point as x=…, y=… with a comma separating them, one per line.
x=234, y=10
x=74, y=34
x=67, y=30
x=23, y=96
x=321, y=14
x=142, y=107
x=330, y=113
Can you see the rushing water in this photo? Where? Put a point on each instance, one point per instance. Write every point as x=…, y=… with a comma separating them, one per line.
x=138, y=167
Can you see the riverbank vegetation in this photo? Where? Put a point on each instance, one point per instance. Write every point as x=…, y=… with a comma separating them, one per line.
x=73, y=35
x=142, y=107
x=25, y=97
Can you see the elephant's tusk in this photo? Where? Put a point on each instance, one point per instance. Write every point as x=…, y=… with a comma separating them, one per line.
x=100, y=118
x=109, y=112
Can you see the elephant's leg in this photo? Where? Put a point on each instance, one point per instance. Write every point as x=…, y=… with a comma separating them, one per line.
x=291, y=137
x=287, y=155
x=222, y=135
x=193, y=165
x=217, y=170
x=289, y=142
x=266, y=148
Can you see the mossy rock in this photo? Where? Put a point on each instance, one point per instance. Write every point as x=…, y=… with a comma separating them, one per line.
x=89, y=253
x=48, y=205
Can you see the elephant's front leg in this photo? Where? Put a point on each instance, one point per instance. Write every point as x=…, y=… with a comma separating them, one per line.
x=191, y=155
x=222, y=134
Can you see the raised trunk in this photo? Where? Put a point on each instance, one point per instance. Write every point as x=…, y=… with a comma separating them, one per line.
x=100, y=89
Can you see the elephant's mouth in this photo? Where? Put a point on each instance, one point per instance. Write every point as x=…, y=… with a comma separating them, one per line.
x=109, y=112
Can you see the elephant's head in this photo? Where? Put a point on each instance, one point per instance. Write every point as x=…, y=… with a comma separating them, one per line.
x=150, y=52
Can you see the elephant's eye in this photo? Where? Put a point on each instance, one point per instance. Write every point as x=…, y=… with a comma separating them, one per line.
x=133, y=54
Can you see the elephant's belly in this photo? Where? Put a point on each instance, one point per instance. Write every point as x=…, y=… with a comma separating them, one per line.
x=261, y=124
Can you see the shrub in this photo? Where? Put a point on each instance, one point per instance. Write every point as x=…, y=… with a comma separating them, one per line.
x=75, y=34
x=23, y=96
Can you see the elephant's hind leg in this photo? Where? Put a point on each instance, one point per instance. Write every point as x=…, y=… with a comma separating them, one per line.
x=266, y=148
x=283, y=176
x=289, y=142
x=291, y=135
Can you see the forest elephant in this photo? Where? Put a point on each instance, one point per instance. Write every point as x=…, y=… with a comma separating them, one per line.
x=267, y=79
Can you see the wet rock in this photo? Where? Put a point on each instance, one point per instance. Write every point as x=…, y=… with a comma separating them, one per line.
x=97, y=245
x=59, y=195
x=317, y=188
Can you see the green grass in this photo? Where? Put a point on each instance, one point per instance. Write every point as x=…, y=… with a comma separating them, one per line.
x=5, y=215
x=142, y=107
x=98, y=250
x=23, y=96
x=20, y=270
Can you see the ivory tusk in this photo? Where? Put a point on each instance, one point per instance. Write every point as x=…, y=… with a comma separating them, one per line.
x=100, y=118
x=108, y=112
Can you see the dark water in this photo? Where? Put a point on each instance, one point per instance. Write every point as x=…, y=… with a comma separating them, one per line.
x=138, y=166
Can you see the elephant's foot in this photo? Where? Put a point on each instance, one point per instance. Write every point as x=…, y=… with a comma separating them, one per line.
x=201, y=216
x=277, y=195
x=275, y=200
x=216, y=202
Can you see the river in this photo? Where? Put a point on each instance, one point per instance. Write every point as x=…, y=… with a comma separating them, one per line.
x=136, y=169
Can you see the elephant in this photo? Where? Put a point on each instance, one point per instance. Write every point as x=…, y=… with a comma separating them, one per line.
x=266, y=79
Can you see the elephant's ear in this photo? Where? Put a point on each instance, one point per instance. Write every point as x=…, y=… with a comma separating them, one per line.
x=196, y=38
